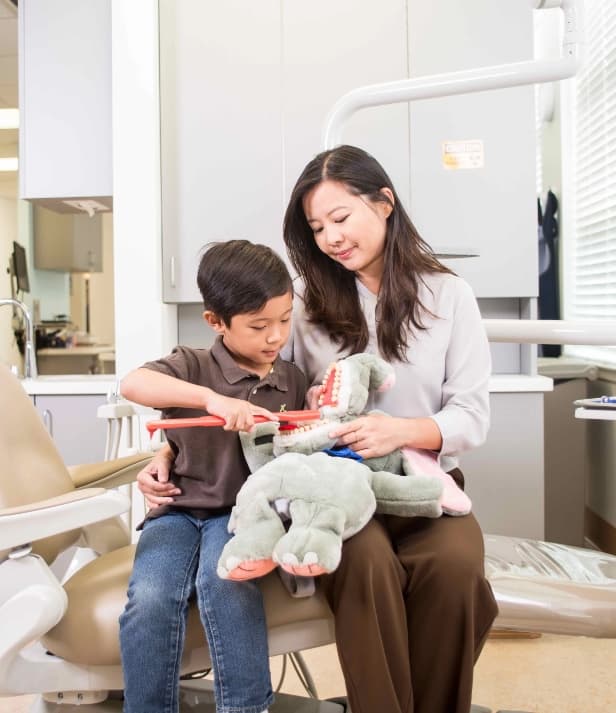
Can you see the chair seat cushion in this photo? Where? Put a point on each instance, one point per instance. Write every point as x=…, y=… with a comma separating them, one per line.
x=552, y=588
x=89, y=632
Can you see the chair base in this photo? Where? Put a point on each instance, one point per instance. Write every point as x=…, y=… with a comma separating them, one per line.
x=197, y=697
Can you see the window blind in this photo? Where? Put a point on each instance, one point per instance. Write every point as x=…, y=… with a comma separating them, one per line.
x=592, y=255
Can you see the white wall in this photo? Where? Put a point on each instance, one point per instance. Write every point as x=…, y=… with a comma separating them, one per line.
x=145, y=327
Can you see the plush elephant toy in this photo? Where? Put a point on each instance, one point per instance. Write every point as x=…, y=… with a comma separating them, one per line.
x=326, y=499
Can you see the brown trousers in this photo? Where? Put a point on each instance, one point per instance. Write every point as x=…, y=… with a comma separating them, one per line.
x=412, y=610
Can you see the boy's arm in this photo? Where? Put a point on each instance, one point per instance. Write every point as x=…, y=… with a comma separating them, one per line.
x=151, y=388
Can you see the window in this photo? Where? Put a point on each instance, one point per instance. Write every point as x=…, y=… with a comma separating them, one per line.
x=590, y=211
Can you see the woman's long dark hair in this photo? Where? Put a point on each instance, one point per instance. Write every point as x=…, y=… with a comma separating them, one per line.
x=331, y=297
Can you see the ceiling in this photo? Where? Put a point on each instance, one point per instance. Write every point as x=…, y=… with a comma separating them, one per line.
x=8, y=89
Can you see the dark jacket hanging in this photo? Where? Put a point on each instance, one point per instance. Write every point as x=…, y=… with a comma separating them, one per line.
x=549, y=292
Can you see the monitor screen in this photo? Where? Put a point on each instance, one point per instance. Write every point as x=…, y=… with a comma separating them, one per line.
x=20, y=268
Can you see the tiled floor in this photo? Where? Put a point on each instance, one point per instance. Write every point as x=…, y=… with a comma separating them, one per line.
x=547, y=675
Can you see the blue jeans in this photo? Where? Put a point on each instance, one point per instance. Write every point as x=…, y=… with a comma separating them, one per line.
x=176, y=557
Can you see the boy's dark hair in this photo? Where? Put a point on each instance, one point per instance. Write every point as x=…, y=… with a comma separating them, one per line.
x=239, y=277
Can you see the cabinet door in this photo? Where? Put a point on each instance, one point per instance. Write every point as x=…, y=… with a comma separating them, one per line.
x=490, y=208
x=65, y=98
x=221, y=136
x=76, y=430
x=330, y=48
x=505, y=480
x=242, y=110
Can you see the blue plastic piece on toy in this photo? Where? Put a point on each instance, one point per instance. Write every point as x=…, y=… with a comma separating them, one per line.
x=343, y=452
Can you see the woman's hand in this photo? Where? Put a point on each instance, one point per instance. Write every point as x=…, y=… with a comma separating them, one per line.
x=312, y=397
x=153, y=480
x=378, y=434
x=238, y=414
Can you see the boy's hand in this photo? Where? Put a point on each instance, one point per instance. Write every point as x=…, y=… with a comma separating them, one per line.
x=153, y=480
x=238, y=414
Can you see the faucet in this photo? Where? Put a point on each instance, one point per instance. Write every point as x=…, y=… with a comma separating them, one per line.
x=30, y=370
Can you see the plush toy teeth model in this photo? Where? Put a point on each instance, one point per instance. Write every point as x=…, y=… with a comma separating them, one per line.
x=326, y=499
x=330, y=387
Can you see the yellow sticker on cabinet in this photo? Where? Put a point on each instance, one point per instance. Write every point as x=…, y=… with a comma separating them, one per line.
x=462, y=154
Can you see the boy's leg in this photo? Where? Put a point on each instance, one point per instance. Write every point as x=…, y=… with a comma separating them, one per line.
x=234, y=620
x=152, y=626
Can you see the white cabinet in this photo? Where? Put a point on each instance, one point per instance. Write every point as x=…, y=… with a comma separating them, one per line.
x=65, y=99
x=505, y=476
x=221, y=131
x=490, y=208
x=74, y=426
x=245, y=88
x=67, y=242
x=330, y=48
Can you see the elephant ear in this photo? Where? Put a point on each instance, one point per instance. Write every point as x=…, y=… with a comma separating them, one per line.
x=258, y=444
x=348, y=382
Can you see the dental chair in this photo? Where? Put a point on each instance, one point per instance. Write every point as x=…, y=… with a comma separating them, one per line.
x=60, y=641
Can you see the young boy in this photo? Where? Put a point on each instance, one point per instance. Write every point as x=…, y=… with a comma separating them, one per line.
x=247, y=296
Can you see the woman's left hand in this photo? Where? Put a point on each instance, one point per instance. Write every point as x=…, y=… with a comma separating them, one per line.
x=373, y=435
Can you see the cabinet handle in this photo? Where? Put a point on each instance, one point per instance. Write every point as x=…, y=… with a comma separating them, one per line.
x=172, y=271
x=48, y=421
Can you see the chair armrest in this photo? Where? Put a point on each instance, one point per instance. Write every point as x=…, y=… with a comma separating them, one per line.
x=25, y=524
x=109, y=474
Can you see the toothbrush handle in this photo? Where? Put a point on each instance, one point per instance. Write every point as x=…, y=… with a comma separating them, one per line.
x=201, y=421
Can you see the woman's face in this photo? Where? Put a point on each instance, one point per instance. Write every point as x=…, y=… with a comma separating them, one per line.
x=349, y=229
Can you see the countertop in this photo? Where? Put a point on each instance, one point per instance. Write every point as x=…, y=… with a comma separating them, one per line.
x=104, y=383
x=71, y=384
x=510, y=383
x=90, y=350
x=565, y=367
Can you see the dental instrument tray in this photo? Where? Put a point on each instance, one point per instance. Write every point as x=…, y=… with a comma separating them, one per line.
x=601, y=402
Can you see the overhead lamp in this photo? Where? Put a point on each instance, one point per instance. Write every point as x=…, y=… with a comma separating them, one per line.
x=9, y=118
x=10, y=163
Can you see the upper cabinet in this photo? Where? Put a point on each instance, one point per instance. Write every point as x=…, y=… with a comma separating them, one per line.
x=245, y=89
x=65, y=101
x=473, y=175
x=221, y=131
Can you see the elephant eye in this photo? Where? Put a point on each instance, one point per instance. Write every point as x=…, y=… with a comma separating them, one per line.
x=262, y=440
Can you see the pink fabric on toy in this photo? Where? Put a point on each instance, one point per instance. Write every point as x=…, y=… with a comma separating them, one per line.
x=454, y=501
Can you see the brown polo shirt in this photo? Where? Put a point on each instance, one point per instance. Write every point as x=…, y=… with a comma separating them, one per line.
x=209, y=466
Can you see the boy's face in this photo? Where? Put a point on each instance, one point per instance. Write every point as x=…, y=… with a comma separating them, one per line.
x=256, y=338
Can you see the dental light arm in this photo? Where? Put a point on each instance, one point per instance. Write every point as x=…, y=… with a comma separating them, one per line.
x=473, y=80
x=552, y=331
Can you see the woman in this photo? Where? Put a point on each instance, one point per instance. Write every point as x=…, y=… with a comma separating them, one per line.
x=410, y=599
